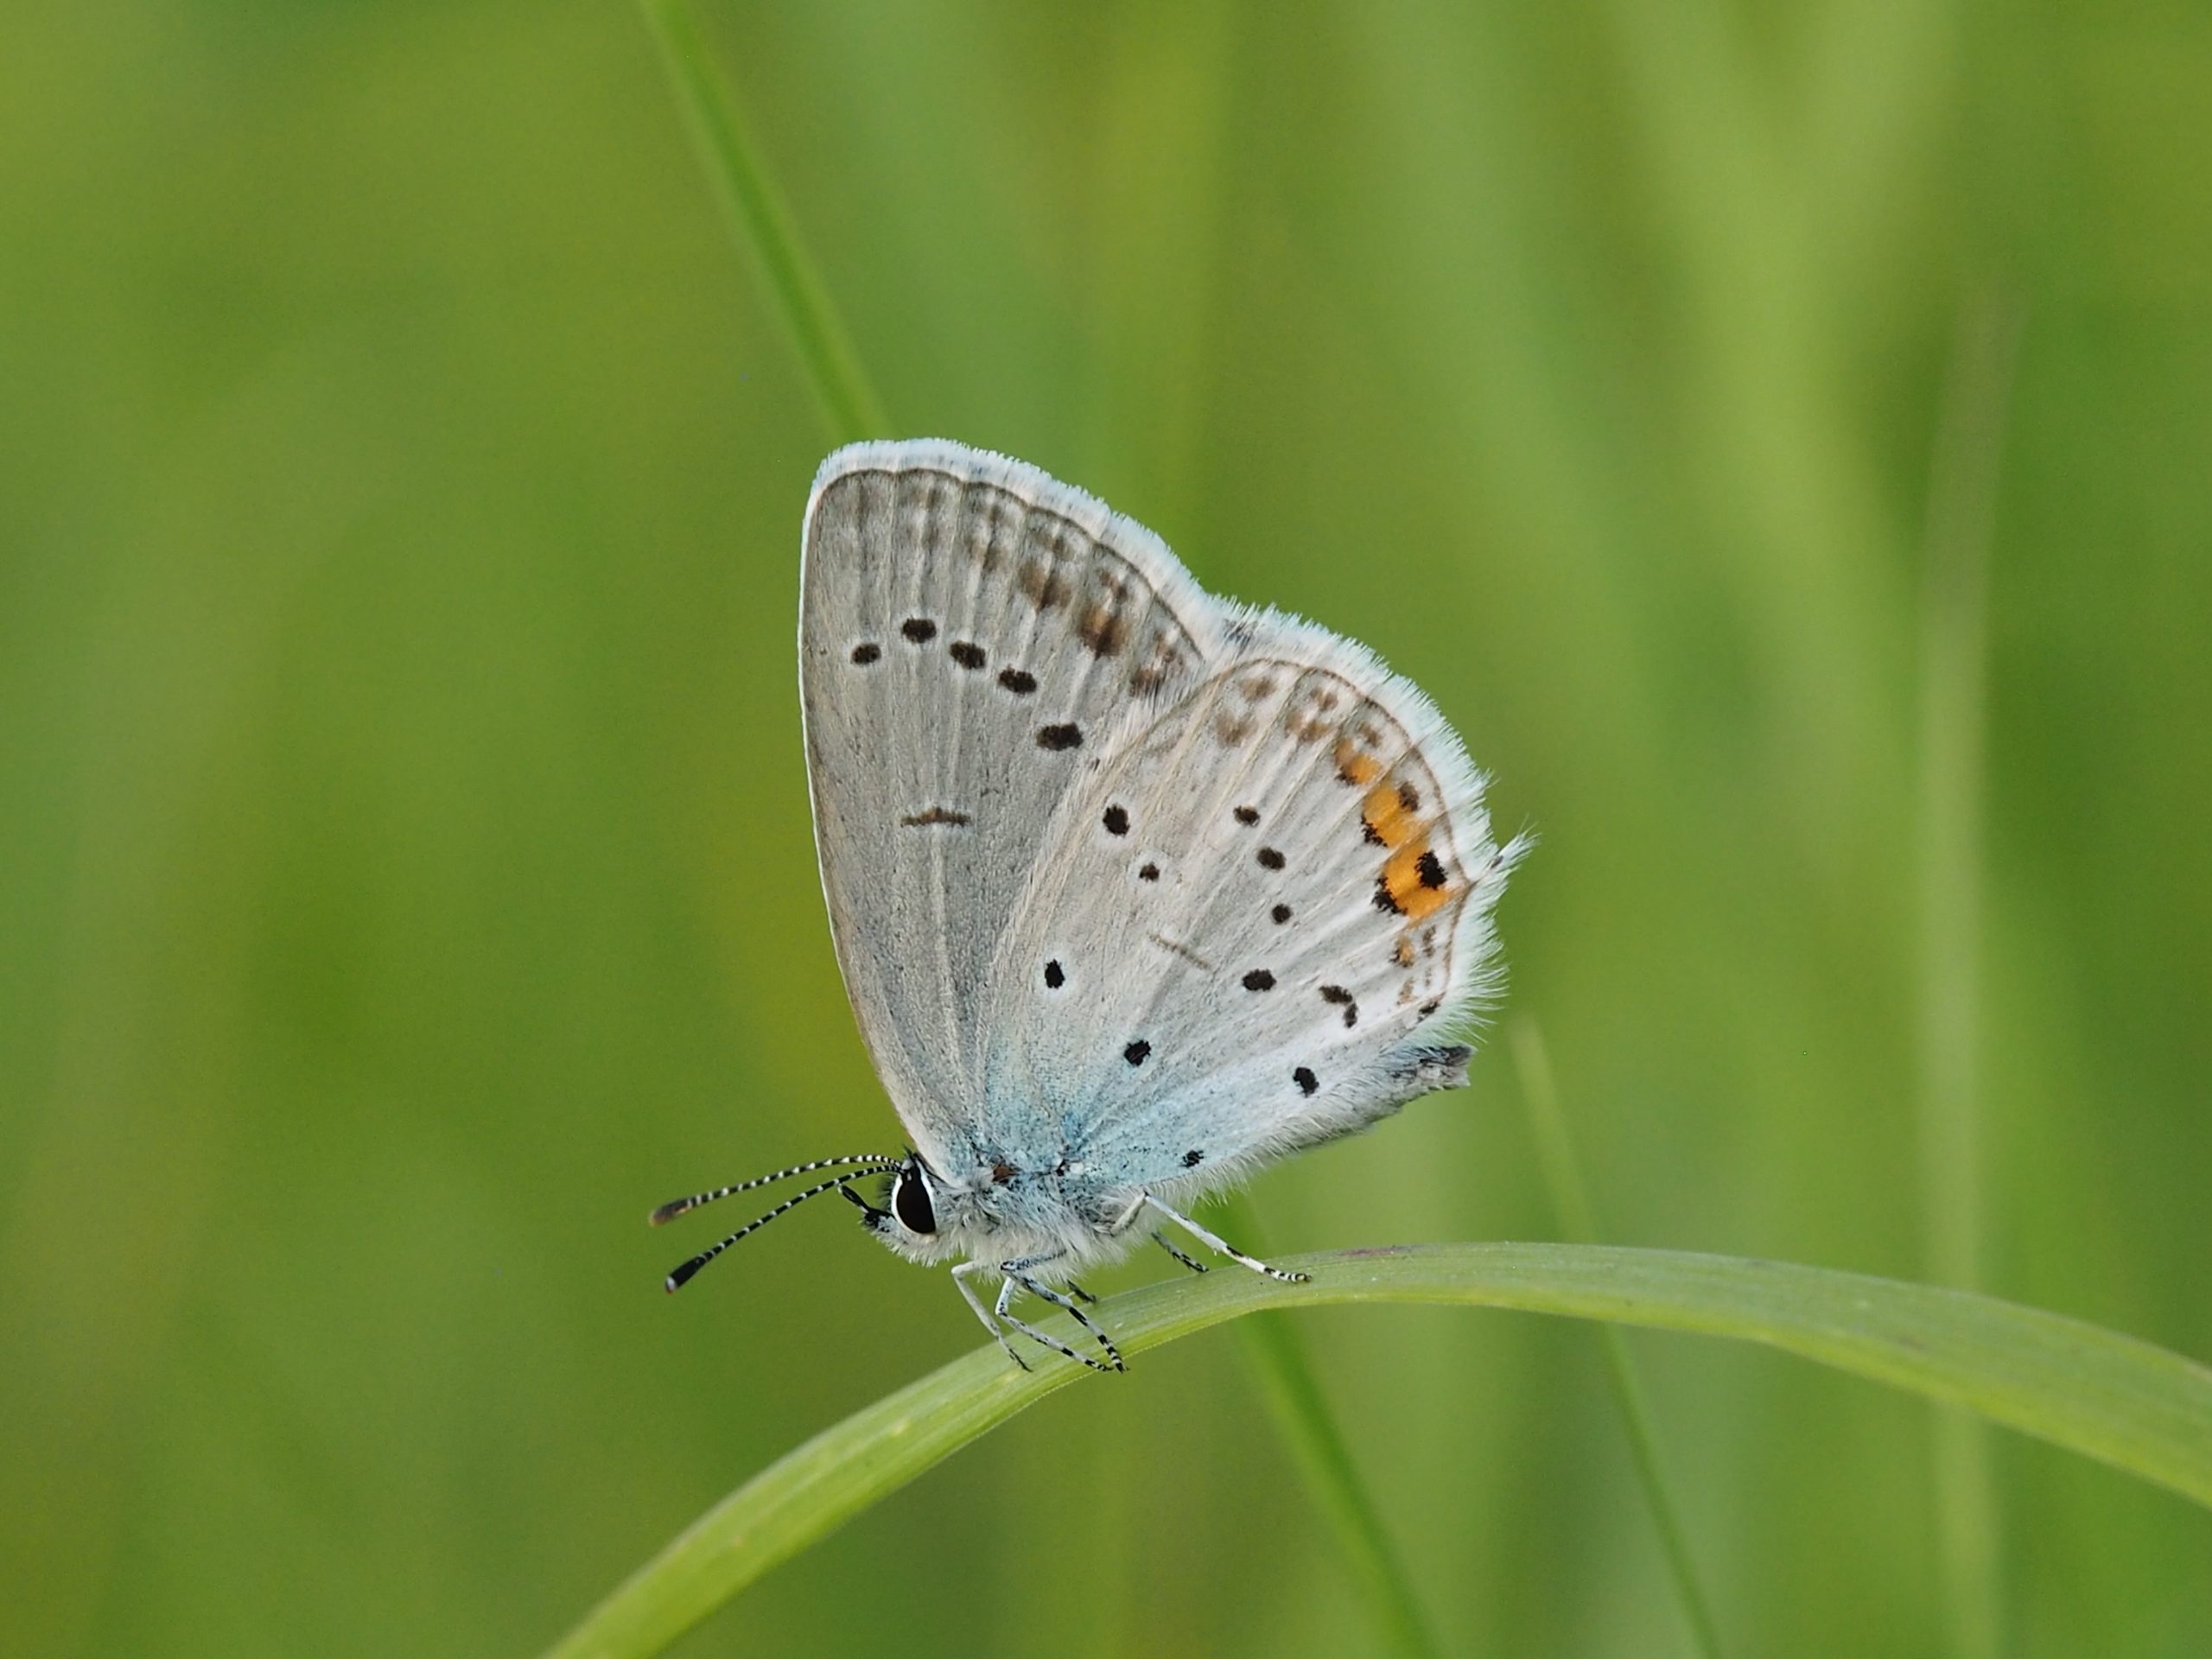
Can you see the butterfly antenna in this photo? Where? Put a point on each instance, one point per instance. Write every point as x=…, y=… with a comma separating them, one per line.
x=681, y=1276
x=676, y=1207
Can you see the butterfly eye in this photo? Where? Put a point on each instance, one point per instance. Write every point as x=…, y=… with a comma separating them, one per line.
x=909, y=1202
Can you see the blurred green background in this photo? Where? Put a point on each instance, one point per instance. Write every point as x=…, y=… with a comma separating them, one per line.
x=405, y=873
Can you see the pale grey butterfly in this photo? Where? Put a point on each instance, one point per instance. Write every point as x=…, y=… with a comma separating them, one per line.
x=1134, y=890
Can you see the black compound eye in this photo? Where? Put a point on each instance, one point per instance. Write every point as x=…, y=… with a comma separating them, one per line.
x=909, y=1202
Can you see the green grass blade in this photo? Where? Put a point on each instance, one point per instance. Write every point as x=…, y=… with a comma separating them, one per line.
x=1578, y=1215
x=764, y=224
x=2126, y=1402
x=1302, y=1414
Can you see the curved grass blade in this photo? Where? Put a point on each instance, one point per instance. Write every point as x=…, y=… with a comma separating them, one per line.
x=2126, y=1402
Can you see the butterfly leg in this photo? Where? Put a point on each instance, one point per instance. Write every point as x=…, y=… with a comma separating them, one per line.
x=968, y=1293
x=1018, y=1277
x=1214, y=1241
x=1046, y=1292
x=1161, y=1239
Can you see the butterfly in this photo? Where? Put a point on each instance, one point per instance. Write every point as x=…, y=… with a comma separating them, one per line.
x=1134, y=890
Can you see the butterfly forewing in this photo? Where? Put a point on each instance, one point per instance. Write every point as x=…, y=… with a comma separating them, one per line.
x=1268, y=901
x=971, y=633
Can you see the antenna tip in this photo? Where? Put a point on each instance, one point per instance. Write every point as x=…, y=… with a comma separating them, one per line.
x=668, y=1212
x=681, y=1276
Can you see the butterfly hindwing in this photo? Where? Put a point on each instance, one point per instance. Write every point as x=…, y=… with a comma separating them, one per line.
x=1264, y=900
x=971, y=631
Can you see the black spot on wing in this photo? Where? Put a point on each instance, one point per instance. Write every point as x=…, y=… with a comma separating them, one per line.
x=1193, y=1158
x=865, y=652
x=919, y=629
x=1259, y=980
x=1247, y=815
x=1279, y=914
x=967, y=654
x=1306, y=1082
x=1059, y=738
x=1269, y=859
x=1018, y=681
x=1116, y=820
x=1135, y=1052
x=1055, y=976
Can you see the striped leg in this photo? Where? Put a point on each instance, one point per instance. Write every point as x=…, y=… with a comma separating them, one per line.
x=1215, y=1242
x=1019, y=1277
x=1161, y=1239
x=1045, y=1292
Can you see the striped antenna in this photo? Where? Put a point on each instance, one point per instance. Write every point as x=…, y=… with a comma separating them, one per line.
x=678, y=1280
x=676, y=1207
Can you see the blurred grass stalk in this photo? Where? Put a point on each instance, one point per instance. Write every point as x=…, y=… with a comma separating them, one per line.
x=1578, y=1217
x=1961, y=492
x=756, y=210
x=1292, y=1394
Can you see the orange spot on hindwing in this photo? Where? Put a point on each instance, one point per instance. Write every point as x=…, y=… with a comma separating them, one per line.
x=1354, y=765
x=1413, y=880
x=1383, y=812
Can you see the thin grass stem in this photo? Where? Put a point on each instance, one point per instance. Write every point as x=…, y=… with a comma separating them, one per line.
x=1962, y=485
x=1300, y=1411
x=1578, y=1215
x=756, y=211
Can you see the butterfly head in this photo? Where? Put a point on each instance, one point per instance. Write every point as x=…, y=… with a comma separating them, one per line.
x=916, y=1216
